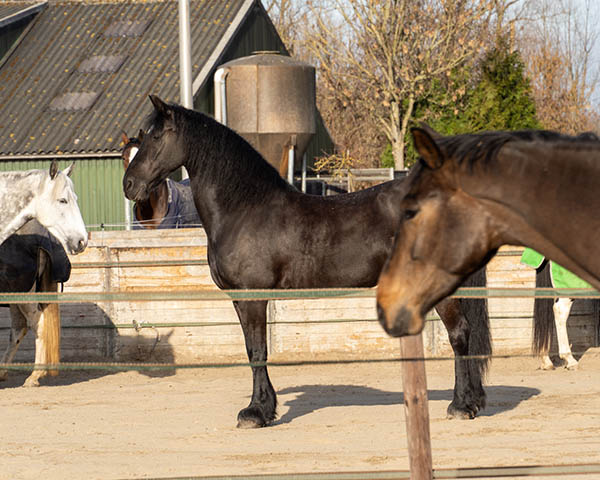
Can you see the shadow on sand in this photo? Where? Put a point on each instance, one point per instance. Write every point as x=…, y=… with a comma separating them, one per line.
x=314, y=397
x=88, y=335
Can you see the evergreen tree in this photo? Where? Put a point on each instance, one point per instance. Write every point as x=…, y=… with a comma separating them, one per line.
x=502, y=99
x=499, y=99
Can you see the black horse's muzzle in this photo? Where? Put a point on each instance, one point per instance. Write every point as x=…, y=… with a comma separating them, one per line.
x=135, y=189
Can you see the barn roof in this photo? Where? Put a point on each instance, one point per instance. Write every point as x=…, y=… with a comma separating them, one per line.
x=84, y=70
x=11, y=12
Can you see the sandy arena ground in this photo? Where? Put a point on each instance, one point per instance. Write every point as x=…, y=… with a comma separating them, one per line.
x=332, y=418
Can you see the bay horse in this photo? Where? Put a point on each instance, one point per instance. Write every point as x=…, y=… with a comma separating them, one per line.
x=32, y=260
x=470, y=194
x=47, y=196
x=262, y=233
x=169, y=205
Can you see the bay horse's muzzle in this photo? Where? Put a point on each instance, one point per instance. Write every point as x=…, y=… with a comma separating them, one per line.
x=401, y=325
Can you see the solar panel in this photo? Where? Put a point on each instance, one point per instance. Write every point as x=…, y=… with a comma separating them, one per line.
x=127, y=28
x=73, y=101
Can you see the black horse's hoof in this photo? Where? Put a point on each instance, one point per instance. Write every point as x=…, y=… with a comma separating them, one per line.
x=463, y=413
x=252, y=417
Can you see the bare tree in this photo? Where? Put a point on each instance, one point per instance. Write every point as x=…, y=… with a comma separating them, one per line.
x=389, y=52
x=558, y=49
x=293, y=20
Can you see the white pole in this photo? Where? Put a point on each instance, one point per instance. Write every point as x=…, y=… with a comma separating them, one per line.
x=185, y=61
x=127, y=214
x=290, y=172
x=221, y=95
x=185, y=55
x=304, y=172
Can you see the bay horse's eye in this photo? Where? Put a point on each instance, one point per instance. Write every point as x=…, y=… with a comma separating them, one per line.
x=409, y=214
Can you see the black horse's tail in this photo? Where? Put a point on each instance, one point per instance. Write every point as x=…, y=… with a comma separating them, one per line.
x=476, y=313
x=543, y=316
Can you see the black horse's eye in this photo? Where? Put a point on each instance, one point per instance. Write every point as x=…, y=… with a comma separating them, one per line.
x=410, y=213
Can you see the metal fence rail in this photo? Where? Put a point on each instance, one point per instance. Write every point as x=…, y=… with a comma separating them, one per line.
x=442, y=473
x=289, y=294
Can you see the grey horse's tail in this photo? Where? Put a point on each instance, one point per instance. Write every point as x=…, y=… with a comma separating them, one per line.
x=543, y=316
x=476, y=313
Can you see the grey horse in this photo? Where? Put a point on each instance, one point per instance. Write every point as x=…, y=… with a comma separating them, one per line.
x=47, y=196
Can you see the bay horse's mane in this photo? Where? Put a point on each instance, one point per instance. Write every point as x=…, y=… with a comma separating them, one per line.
x=484, y=147
x=216, y=151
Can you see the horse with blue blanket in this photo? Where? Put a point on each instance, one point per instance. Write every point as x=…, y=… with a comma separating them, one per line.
x=170, y=205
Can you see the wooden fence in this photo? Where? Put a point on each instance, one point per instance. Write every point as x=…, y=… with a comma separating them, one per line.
x=209, y=330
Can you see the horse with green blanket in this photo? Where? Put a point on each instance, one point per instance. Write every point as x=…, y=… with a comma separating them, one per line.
x=551, y=274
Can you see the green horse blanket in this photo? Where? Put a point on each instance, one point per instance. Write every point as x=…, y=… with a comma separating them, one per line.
x=561, y=277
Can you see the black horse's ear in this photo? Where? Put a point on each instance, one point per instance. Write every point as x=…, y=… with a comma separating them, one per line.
x=53, y=169
x=164, y=110
x=160, y=106
x=141, y=135
x=427, y=148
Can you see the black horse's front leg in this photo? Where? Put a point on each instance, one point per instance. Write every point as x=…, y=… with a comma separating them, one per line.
x=469, y=396
x=263, y=406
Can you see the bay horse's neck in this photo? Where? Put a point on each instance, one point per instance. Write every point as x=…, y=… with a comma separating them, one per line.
x=151, y=212
x=17, y=195
x=546, y=196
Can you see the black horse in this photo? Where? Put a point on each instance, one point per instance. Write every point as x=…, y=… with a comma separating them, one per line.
x=263, y=233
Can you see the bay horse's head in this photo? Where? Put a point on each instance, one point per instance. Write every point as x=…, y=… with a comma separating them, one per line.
x=131, y=145
x=441, y=240
x=56, y=209
x=159, y=154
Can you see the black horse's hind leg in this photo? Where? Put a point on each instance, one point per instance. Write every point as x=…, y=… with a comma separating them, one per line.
x=263, y=406
x=469, y=396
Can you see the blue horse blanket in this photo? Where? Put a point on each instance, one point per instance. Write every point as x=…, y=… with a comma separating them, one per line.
x=561, y=277
x=181, y=211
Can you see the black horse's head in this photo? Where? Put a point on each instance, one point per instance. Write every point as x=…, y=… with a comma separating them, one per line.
x=160, y=153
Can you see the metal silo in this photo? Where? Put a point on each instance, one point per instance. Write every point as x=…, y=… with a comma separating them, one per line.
x=269, y=99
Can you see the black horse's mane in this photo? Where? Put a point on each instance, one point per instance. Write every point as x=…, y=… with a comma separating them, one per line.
x=484, y=147
x=216, y=150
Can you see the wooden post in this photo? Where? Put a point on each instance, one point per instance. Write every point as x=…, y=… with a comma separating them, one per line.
x=50, y=315
x=417, y=411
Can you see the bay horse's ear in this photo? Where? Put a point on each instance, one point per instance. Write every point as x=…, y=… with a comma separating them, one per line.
x=427, y=148
x=124, y=138
x=53, y=169
x=69, y=170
